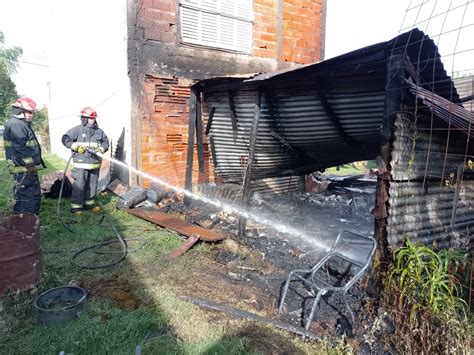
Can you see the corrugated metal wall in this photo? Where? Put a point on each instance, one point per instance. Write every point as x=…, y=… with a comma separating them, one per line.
x=296, y=115
x=422, y=195
x=331, y=113
x=465, y=87
x=230, y=147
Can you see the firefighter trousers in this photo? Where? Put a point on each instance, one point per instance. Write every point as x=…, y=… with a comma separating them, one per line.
x=27, y=192
x=84, y=189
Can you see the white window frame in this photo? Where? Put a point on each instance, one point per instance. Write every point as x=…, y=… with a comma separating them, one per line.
x=239, y=37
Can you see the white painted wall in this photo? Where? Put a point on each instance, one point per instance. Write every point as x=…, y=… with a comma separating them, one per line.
x=88, y=66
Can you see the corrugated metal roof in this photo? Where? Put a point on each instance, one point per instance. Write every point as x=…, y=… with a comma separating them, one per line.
x=418, y=47
x=451, y=113
x=465, y=88
x=297, y=130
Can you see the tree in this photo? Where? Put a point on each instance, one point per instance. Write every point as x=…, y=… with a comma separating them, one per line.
x=40, y=120
x=8, y=94
x=9, y=56
x=40, y=125
x=8, y=64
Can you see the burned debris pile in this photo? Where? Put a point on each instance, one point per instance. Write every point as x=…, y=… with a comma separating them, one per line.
x=263, y=256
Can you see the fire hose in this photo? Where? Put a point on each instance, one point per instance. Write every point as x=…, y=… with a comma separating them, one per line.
x=96, y=247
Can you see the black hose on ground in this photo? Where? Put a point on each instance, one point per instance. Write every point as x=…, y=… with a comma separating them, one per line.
x=122, y=242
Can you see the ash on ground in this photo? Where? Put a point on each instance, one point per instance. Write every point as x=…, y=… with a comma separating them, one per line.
x=264, y=256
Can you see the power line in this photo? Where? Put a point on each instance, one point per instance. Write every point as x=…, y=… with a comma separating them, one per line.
x=38, y=64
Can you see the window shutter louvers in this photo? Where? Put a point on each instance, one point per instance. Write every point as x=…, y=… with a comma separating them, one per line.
x=218, y=23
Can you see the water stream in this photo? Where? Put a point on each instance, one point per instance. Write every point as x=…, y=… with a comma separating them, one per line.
x=263, y=220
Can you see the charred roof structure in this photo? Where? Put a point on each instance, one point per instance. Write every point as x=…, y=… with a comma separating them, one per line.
x=391, y=101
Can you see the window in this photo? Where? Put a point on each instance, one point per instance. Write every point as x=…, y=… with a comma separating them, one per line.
x=217, y=23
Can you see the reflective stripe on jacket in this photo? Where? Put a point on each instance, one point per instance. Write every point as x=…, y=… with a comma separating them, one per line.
x=21, y=146
x=91, y=137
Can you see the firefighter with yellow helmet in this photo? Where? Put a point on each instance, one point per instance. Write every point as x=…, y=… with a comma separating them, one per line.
x=85, y=140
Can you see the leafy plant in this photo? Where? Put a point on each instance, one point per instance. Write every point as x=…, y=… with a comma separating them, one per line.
x=424, y=295
x=429, y=278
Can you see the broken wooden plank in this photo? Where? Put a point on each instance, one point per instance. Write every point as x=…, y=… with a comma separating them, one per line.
x=177, y=225
x=185, y=247
x=199, y=133
x=188, y=182
x=248, y=169
x=209, y=120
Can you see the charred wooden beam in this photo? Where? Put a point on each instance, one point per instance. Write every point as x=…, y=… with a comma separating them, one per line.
x=188, y=181
x=466, y=98
x=456, y=194
x=296, y=152
x=233, y=112
x=209, y=120
x=199, y=133
x=393, y=96
x=213, y=151
x=334, y=119
x=283, y=142
x=248, y=171
x=252, y=316
x=302, y=183
x=392, y=107
x=269, y=99
x=410, y=68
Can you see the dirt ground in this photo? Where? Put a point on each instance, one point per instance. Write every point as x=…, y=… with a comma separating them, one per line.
x=248, y=272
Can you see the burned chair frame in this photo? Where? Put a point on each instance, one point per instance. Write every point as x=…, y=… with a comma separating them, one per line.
x=352, y=248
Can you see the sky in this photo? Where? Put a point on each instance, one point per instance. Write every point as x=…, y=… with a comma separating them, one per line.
x=350, y=25
x=355, y=24
x=25, y=24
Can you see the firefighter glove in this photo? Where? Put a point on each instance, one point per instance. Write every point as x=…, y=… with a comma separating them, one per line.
x=79, y=149
x=31, y=169
x=101, y=150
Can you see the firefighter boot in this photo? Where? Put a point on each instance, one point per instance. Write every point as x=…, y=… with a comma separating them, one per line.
x=96, y=209
x=93, y=207
x=76, y=216
x=76, y=211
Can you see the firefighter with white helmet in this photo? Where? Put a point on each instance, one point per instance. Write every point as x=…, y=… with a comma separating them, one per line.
x=23, y=155
x=85, y=140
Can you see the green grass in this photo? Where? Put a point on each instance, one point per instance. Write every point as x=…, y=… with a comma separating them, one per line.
x=131, y=304
x=346, y=169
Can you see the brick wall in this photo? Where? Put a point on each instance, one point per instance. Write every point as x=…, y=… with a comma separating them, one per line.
x=165, y=132
x=301, y=30
x=265, y=29
x=300, y=27
x=158, y=19
x=165, y=93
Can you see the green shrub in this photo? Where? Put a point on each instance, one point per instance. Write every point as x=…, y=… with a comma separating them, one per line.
x=424, y=295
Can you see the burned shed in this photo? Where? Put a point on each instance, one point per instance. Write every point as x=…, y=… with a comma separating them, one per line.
x=391, y=101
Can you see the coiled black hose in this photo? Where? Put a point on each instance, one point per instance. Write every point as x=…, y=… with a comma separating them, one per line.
x=121, y=240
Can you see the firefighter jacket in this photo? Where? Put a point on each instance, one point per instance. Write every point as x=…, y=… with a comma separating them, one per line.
x=91, y=138
x=22, y=149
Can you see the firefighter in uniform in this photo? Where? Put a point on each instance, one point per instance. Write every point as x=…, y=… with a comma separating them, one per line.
x=85, y=140
x=23, y=155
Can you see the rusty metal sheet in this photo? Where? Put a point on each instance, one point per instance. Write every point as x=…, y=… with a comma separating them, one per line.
x=177, y=225
x=20, y=257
